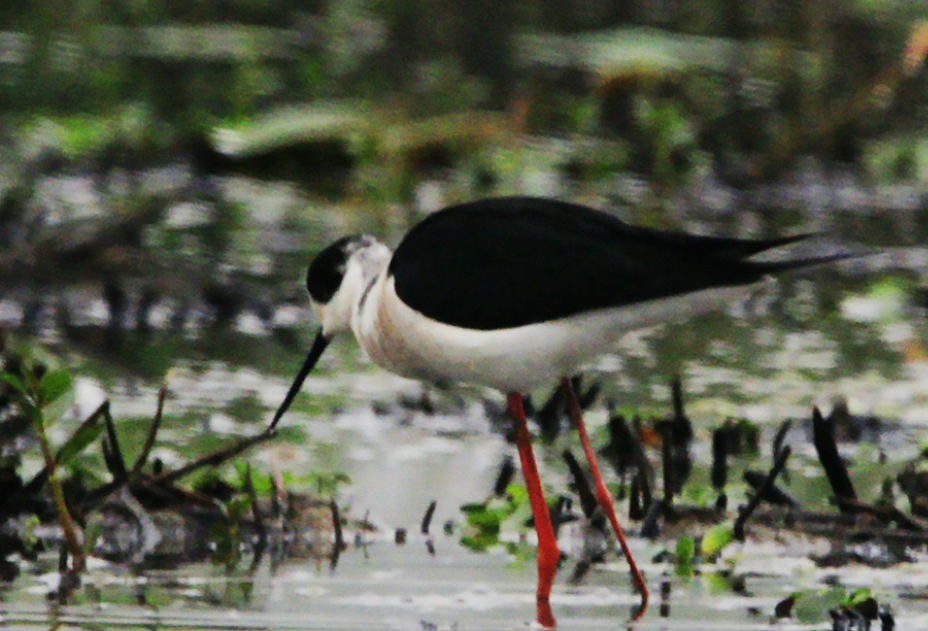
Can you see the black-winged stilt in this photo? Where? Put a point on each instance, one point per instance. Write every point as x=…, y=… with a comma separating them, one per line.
x=513, y=293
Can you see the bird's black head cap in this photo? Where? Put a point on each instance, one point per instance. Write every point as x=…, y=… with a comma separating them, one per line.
x=325, y=273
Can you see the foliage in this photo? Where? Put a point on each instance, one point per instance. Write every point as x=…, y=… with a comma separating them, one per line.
x=34, y=390
x=487, y=520
x=685, y=555
x=813, y=605
x=227, y=532
x=668, y=141
x=716, y=539
x=763, y=86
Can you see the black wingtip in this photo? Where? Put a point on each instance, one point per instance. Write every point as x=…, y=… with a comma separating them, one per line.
x=745, y=249
x=776, y=267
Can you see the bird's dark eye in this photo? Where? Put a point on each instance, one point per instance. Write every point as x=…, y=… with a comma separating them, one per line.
x=327, y=270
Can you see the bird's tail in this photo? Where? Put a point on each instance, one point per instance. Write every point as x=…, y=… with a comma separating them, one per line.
x=777, y=267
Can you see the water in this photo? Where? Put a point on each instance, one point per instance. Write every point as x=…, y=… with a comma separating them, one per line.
x=359, y=420
x=855, y=334
x=385, y=586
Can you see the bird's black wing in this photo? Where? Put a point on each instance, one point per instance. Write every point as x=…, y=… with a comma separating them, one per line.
x=508, y=262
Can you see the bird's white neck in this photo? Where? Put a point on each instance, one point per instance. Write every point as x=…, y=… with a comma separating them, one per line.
x=361, y=270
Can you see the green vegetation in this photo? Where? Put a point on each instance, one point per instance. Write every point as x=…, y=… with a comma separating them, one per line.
x=35, y=390
x=719, y=85
x=486, y=521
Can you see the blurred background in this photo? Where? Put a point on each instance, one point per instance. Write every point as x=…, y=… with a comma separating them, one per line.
x=194, y=155
x=168, y=169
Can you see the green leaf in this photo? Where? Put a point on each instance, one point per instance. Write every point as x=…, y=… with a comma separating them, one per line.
x=480, y=542
x=684, y=571
x=716, y=538
x=686, y=553
x=29, y=528
x=518, y=493
x=79, y=441
x=488, y=520
x=521, y=551
x=53, y=386
x=686, y=550
x=13, y=381
x=813, y=606
x=22, y=398
x=30, y=410
x=238, y=507
x=857, y=596
x=717, y=583
x=92, y=535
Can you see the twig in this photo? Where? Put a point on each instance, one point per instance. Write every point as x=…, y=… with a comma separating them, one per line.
x=114, y=459
x=427, y=518
x=214, y=458
x=339, y=544
x=720, y=440
x=64, y=516
x=549, y=416
x=835, y=469
x=745, y=514
x=152, y=433
x=258, y=519
x=650, y=528
x=506, y=472
x=255, y=509
x=587, y=500
x=885, y=513
x=774, y=494
x=681, y=427
x=587, y=398
x=676, y=389
x=41, y=477
x=778, y=442
x=276, y=509
x=337, y=523
x=666, y=431
x=780, y=437
x=642, y=464
x=624, y=444
x=636, y=511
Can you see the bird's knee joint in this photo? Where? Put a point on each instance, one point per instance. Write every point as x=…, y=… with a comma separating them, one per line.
x=548, y=557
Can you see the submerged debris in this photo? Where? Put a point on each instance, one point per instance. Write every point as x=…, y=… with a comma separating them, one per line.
x=141, y=516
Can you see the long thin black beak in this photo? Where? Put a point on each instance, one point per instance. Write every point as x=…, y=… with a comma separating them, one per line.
x=315, y=353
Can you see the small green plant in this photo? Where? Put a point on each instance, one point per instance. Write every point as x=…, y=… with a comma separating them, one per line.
x=35, y=390
x=485, y=520
x=688, y=554
x=716, y=539
x=685, y=556
x=227, y=532
x=812, y=606
x=669, y=138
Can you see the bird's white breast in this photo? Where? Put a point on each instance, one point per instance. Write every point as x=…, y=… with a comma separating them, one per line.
x=518, y=359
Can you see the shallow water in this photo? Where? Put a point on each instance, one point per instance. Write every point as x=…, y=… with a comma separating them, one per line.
x=857, y=334
x=352, y=418
x=385, y=586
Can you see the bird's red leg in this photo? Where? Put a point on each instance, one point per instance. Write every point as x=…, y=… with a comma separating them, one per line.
x=548, y=554
x=603, y=496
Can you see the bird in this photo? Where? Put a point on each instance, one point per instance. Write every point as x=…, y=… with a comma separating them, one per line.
x=514, y=293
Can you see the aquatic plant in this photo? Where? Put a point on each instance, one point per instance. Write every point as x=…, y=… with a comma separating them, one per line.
x=35, y=390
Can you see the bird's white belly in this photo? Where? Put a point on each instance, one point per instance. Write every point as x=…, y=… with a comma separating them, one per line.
x=518, y=359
